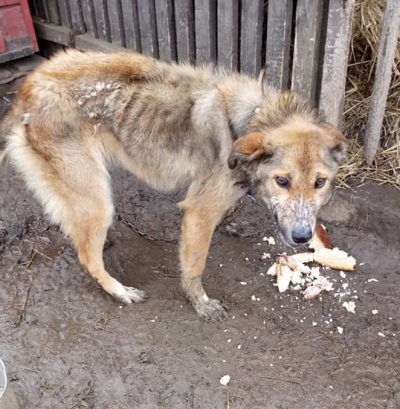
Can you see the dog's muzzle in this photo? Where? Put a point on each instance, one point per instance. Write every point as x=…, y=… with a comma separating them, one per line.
x=301, y=233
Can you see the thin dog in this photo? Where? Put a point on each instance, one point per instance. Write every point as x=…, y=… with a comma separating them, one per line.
x=219, y=134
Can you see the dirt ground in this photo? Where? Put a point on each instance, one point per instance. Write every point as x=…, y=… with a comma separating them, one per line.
x=72, y=346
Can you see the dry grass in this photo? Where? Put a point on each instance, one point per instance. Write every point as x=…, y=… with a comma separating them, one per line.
x=368, y=20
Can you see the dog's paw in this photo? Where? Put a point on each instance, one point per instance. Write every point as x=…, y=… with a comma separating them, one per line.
x=210, y=310
x=128, y=295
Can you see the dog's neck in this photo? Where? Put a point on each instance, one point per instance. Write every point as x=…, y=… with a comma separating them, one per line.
x=242, y=97
x=252, y=107
x=278, y=109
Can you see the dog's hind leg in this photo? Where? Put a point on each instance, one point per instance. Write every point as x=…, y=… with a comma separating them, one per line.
x=203, y=208
x=86, y=222
x=88, y=230
x=72, y=183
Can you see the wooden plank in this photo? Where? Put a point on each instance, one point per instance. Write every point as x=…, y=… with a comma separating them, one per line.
x=116, y=22
x=306, y=47
x=251, y=36
x=131, y=25
x=89, y=17
x=102, y=23
x=51, y=32
x=228, y=33
x=46, y=10
x=65, y=13
x=334, y=69
x=166, y=30
x=53, y=12
x=279, y=31
x=184, y=23
x=86, y=42
x=386, y=55
x=77, y=22
x=148, y=27
x=61, y=35
x=39, y=9
x=205, y=12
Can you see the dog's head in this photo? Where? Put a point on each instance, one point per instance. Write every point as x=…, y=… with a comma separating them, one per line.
x=292, y=168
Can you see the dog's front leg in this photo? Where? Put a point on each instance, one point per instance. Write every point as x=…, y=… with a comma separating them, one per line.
x=200, y=217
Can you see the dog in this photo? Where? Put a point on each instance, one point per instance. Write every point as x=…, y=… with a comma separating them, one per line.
x=218, y=134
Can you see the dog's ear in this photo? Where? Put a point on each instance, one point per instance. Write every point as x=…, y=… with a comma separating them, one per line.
x=338, y=146
x=248, y=149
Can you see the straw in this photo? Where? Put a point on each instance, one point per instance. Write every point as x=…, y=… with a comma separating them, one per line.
x=367, y=26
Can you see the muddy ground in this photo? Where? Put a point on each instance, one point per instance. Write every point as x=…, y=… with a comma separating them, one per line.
x=67, y=344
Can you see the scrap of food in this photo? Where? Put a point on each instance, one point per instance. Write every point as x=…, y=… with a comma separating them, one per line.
x=291, y=269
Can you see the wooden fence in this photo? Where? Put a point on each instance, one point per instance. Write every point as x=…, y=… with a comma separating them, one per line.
x=303, y=44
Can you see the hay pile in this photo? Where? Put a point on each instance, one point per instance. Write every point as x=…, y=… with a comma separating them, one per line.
x=367, y=27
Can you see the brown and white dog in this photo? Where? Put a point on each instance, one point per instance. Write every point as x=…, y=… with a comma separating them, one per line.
x=220, y=134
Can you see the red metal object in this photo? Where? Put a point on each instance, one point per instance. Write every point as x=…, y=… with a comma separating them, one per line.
x=17, y=34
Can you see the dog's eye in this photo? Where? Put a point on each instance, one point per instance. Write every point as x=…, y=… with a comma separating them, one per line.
x=320, y=182
x=282, y=182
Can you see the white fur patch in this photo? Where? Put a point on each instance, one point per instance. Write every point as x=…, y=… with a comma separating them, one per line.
x=204, y=298
x=26, y=119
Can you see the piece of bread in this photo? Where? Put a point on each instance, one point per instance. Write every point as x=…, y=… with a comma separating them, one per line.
x=335, y=258
x=283, y=276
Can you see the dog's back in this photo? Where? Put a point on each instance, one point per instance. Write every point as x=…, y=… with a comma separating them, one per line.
x=162, y=122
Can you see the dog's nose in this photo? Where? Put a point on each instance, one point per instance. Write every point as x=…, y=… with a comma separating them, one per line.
x=301, y=233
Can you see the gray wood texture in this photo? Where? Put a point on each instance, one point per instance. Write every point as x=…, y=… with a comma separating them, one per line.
x=89, y=17
x=228, y=34
x=386, y=55
x=251, y=36
x=279, y=30
x=147, y=27
x=116, y=21
x=61, y=35
x=102, y=24
x=334, y=69
x=52, y=11
x=131, y=25
x=306, y=47
x=184, y=24
x=78, y=24
x=51, y=32
x=206, y=31
x=166, y=30
x=65, y=13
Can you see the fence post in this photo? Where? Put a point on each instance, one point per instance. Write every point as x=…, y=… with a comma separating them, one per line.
x=333, y=81
x=386, y=55
x=228, y=34
x=147, y=27
x=205, y=12
x=166, y=30
x=184, y=23
x=251, y=36
x=279, y=30
x=309, y=15
x=131, y=25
